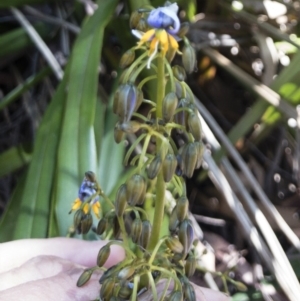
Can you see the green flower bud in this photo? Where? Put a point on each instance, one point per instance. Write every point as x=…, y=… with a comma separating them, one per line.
x=176, y=296
x=182, y=208
x=142, y=25
x=188, y=58
x=136, y=230
x=181, y=116
x=125, y=101
x=186, y=235
x=190, y=157
x=116, y=228
x=145, y=235
x=173, y=222
x=118, y=133
x=86, y=223
x=134, y=19
x=170, y=103
x=107, y=289
x=240, y=286
x=135, y=191
x=189, y=292
x=154, y=167
x=121, y=200
x=184, y=28
x=126, y=273
x=125, y=291
x=190, y=266
x=78, y=216
x=101, y=227
x=110, y=273
x=169, y=166
x=84, y=277
x=127, y=58
x=130, y=127
x=90, y=175
x=194, y=126
x=200, y=148
x=103, y=255
x=174, y=244
x=179, y=73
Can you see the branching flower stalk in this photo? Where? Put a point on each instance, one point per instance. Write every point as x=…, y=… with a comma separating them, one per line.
x=172, y=128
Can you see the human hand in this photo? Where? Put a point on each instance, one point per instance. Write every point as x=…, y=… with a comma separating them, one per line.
x=48, y=269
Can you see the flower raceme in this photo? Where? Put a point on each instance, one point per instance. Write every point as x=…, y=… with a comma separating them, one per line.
x=166, y=24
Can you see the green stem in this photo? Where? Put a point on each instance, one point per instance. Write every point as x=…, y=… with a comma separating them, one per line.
x=160, y=183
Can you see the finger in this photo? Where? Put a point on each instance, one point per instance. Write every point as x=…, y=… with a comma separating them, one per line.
x=15, y=253
x=49, y=284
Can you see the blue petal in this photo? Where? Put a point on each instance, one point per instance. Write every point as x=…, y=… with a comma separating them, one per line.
x=165, y=17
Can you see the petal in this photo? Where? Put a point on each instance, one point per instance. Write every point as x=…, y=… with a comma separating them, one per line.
x=173, y=42
x=86, y=208
x=173, y=15
x=137, y=33
x=96, y=209
x=148, y=35
x=153, y=50
x=76, y=204
x=164, y=42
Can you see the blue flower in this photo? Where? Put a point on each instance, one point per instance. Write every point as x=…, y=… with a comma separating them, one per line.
x=165, y=18
x=166, y=24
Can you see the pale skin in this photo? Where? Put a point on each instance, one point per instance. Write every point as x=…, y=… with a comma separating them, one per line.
x=48, y=269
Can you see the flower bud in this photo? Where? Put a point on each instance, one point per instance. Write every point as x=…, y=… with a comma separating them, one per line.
x=184, y=28
x=145, y=235
x=170, y=103
x=136, y=230
x=101, y=227
x=127, y=58
x=130, y=127
x=154, y=167
x=126, y=273
x=188, y=58
x=121, y=201
x=200, y=148
x=125, y=101
x=134, y=19
x=174, y=244
x=116, y=227
x=190, y=157
x=86, y=223
x=118, y=133
x=78, y=216
x=173, y=222
x=168, y=167
x=125, y=291
x=181, y=116
x=107, y=289
x=103, y=255
x=176, y=296
x=186, y=235
x=190, y=266
x=142, y=25
x=84, y=277
x=194, y=126
x=182, y=207
x=189, y=292
x=135, y=190
x=179, y=73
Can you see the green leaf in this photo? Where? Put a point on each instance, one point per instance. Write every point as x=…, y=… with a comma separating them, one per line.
x=34, y=207
x=77, y=150
x=13, y=159
x=18, y=40
x=7, y=4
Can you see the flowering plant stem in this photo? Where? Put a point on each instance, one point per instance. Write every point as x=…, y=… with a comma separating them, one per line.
x=160, y=183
